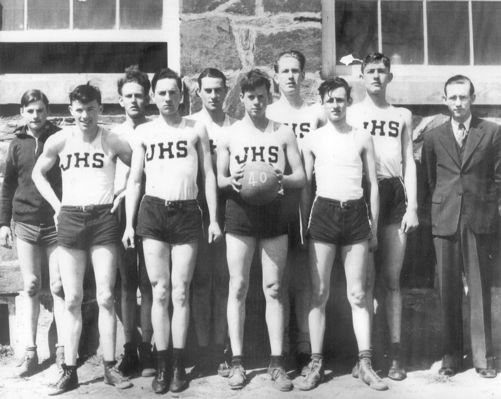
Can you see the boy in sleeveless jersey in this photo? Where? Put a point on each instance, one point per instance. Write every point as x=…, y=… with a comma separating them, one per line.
x=210, y=280
x=133, y=90
x=169, y=151
x=256, y=138
x=87, y=156
x=292, y=110
x=339, y=220
x=391, y=131
x=34, y=224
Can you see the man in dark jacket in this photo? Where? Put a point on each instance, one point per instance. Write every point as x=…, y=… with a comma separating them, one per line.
x=462, y=159
x=34, y=223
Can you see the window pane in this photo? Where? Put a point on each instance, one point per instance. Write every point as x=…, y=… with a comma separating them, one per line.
x=94, y=14
x=48, y=14
x=145, y=14
x=402, y=30
x=448, y=38
x=486, y=32
x=356, y=28
x=11, y=14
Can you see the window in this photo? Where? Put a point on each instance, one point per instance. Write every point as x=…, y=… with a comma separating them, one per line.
x=415, y=32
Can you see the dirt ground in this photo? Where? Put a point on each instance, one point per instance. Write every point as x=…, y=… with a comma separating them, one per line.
x=339, y=385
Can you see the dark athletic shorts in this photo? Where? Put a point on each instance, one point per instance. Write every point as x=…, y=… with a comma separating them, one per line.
x=42, y=234
x=392, y=201
x=339, y=223
x=174, y=222
x=82, y=227
x=265, y=221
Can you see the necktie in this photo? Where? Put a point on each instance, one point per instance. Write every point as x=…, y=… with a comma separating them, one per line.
x=461, y=135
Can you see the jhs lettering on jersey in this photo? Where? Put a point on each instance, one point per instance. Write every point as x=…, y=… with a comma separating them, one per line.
x=168, y=149
x=258, y=154
x=380, y=128
x=299, y=129
x=83, y=160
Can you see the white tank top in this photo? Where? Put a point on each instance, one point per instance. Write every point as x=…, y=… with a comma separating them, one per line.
x=302, y=120
x=338, y=165
x=214, y=131
x=170, y=161
x=385, y=127
x=87, y=170
x=249, y=144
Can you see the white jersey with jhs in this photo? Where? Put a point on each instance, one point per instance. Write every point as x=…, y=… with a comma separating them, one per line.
x=249, y=144
x=338, y=165
x=87, y=170
x=170, y=160
x=301, y=120
x=386, y=126
x=214, y=131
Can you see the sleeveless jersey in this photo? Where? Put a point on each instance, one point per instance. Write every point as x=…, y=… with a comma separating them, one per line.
x=302, y=121
x=338, y=165
x=386, y=128
x=214, y=131
x=249, y=144
x=170, y=160
x=87, y=170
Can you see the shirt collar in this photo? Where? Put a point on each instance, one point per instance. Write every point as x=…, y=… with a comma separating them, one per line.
x=466, y=123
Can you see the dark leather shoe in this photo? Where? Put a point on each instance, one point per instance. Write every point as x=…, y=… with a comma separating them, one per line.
x=160, y=383
x=447, y=371
x=179, y=380
x=396, y=371
x=487, y=373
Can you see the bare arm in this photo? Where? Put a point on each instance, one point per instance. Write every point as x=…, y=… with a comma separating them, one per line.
x=225, y=180
x=45, y=162
x=410, y=219
x=205, y=159
x=296, y=178
x=369, y=162
x=133, y=191
x=120, y=147
x=305, y=203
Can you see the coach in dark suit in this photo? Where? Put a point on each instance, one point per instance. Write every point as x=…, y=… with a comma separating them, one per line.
x=462, y=159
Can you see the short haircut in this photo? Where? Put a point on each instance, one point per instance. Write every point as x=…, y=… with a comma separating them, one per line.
x=253, y=79
x=211, y=73
x=166, y=73
x=459, y=79
x=85, y=94
x=291, y=53
x=376, y=57
x=32, y=96
x=333, y=84
x=135, y=75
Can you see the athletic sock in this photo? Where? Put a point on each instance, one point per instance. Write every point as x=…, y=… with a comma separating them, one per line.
x=177, y=357
x=162, y=359
x=365, y=354
x=303, y=343
x=317, y=356
x=395, y=351
x=276, y=361
x=237, y=360
x=109, y=363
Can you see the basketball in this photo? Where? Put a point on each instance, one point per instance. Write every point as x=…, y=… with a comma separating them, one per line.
x=260, y=184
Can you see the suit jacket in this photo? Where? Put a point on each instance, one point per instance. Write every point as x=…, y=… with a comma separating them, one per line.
x=464, y=187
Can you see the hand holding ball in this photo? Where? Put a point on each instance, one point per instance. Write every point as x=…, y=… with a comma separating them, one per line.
x=260, y=183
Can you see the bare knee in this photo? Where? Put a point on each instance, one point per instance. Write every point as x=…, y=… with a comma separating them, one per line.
x=180, y=294
x=56, y=288
x=32, y=285
x=73, y=301
x=160, y=292
x=273, y=291
x=105, y=299
x=357, y=298
x=238, y=289
x=392, y=284
x=319, y=297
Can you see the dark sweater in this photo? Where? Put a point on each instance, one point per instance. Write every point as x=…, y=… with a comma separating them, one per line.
x=20, y=199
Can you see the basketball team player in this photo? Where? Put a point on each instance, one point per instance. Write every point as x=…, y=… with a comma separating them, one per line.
x=34, y=224
x=257, y=139
x=170, y=151
x=292, y=110
x=86, y=155
x=210, y=280
x=391, y=131
x=133, y=90
x=338, y=154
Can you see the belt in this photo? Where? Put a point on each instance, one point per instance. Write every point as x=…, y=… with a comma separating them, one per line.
x=343, y=204
x=179, y=205
x=86, y=208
